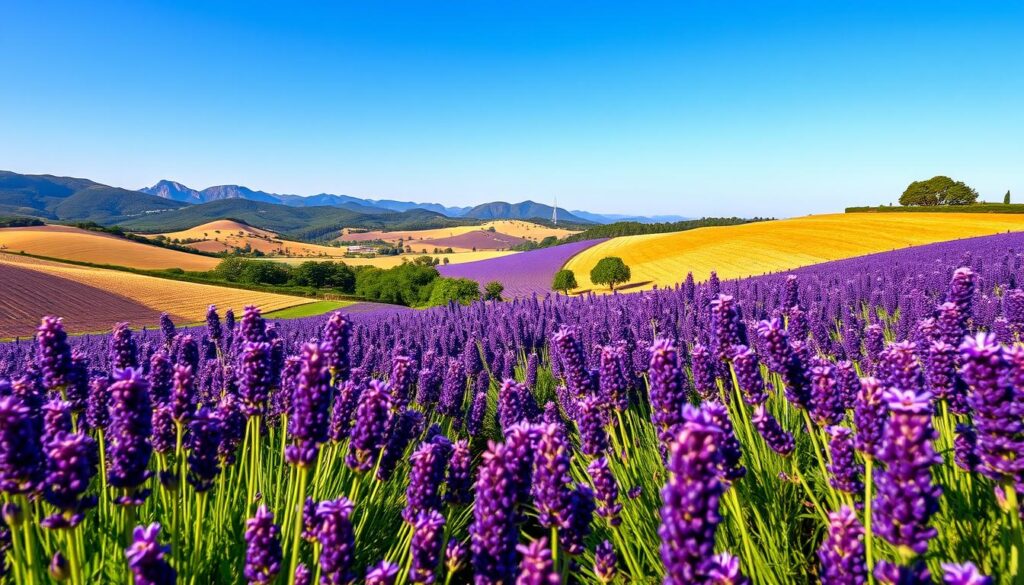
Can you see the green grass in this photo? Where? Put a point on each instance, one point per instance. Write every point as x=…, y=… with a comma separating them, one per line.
x=975, y=208
x=307, y=310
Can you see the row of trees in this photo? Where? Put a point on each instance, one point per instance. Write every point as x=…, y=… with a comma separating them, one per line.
x=414, y=284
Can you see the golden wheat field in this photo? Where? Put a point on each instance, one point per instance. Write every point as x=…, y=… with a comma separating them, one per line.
x=69, y=243
x=185, y=301
x=224, y=235
x=390, y=261
x=757, y=248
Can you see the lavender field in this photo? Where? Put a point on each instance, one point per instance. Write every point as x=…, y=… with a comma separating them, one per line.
x=855, y=421
x=522, y=274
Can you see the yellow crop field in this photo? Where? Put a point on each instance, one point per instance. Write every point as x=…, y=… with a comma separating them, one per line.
x=69, y=243
x=390, y=261
x=758, y=248
x=184, y=300
x=225, y=235
x=520, y=229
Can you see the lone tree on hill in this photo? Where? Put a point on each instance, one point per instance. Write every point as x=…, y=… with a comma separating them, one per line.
x=940, y=190
x=565, y=281
x=1006, y=198
x=493, y=290
x=611, y=271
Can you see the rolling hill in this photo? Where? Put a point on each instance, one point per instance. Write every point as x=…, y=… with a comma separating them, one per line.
x=771, y=246
x=71, y=199
x=524, y=210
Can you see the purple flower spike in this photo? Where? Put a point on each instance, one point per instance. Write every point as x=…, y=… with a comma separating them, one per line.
x=455, y=556
x=748, y=375
x=725, y=570
x=337, y=333
x=888, y=573
x=311, y=402
x=845, y=470
x=407, y=424
x=612, y=380
x=383, y=573
x=606, y=491
x=123, y=349
x=667, y=390
x=591, y=422
x=907, y=498
x=425, y=548
x=205, y=432
x=869, y=415
x=842, y=553
x=689, y=514
x=71, y=461
x=537, y=567
x=53, y=354
x=605, y=562
x=131, y=423
x=255, y=377
x=263, y=547
x=702, y=367
x=426, y=475
x=771, y=431
x=460, y=474
x=496, y=515
x=337, y=541
x=730, y=464
x=147, y=557
x=963, y=574
x=373, y=418
x=577, y=378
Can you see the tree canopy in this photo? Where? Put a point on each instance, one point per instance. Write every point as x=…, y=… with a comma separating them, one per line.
x=939, y=190
x=565, y=281
x=459, y=290
x=493, y=290
x=611, y=271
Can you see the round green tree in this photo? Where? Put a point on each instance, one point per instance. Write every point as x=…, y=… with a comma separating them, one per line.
x=938, y=190
x=611, y=271
x=493, y=290
x=565, y=281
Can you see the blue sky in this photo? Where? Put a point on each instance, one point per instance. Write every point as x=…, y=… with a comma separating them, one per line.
x=691, y=108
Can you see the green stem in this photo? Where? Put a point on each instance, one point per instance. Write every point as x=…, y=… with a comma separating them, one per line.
x=869, y=536
x=296, y=511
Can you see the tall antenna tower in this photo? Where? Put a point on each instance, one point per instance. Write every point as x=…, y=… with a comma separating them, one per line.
x=554, y=212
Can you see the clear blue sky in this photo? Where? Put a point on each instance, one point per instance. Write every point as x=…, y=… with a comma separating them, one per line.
x=692, y=108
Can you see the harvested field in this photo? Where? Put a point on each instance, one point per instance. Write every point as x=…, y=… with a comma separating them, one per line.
x=225, y=235
x=29, y=295
x=184, y=300
x=771, y=246
x=389, y=261
x=515, y=228
x=478, y=240
x=70, y=243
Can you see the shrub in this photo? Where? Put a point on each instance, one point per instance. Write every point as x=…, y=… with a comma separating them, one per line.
x=493, y=290
x=459, y=290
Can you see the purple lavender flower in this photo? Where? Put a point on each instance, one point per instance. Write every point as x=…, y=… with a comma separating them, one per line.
x=205, y=432
x=59, y=568
x=531, y=369
x=869, y=415
x=844, y=468
x=998, y=410
x=252, y=326
x=515, y=403
x=53, y=354
x=213, y=328
x=425, y=548
x=56, y=419
x=460, y=473
x=667, y=392
x=147, y=557
x=337, y=333
x=311, y=401
x=724, y=569
x=407, y=424
x=453, y=390
x=888, y=573
x=262, y=547
x=71, y=461
x=337, y=541
x=965, y=448
x=255, y=378
x=495, y=531
x=183, y=399
x=455, y=556
x=606, y=491
x=131, y=423
x=96, y=413
x=160, y=377
x=842, y=552
x=612, y=380
x=400, y=381
x=551, y=477
x=303, y=576
x=164, y=430
x=123, y=349
x=345, y=402
x=726, y=326
x=577, y=378
x=730, y=464
x=786, y=361
x=373, y=417
x=963, y=574
x=605, y=562
x=426, y=475
x=771, y=431
x=826, y=406
x=536, y=566
x=899, y=366
x=188, y=352
x=229, y=412
x=689, y=514
x=477, y=414
x=907, y=498
x=591, y=422
x=748, y=375
x=383, y=573
x=702, y=367
x=580, y=516
x=942, y=366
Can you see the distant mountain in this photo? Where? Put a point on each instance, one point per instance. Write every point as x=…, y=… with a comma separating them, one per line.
x=71, y=199
x=524, y=210
x=614, y=217
x=301, y=223
x=178, y=192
